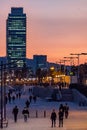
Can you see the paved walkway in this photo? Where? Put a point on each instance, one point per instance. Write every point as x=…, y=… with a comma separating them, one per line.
x=77, y=116
x=77, y=121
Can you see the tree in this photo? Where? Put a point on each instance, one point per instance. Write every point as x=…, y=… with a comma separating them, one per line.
x=24, y=71
x=40, y=73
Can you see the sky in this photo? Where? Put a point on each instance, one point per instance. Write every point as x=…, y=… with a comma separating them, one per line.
x=55, y=28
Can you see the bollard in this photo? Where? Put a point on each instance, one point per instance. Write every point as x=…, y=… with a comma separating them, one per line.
x=36, y=113
x=44, y=113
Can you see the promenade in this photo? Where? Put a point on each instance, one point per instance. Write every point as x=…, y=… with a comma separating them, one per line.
x=77, y=121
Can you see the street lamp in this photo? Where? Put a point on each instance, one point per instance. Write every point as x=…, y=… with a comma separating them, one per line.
x=3, y=93
x=71, y=60
x=1, y=125
x=83, y=53
x=65, y=64
x=4, y=90
x=78, y=55
x=60, y=64
x=64, y=61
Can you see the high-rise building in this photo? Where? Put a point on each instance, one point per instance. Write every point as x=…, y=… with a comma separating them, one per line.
x=16, y=36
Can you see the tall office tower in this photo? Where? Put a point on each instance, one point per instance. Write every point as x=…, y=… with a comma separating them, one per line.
x=16, y=37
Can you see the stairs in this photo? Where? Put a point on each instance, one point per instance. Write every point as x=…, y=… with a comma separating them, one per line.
x=67, y=95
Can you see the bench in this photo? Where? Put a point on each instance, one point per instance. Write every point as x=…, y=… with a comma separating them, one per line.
x=4, y=123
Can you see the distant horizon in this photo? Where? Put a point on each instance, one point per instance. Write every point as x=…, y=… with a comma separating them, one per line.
x=54, y=28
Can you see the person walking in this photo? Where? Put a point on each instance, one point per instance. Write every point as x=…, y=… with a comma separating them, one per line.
x=61, y=107
x=53, y=118
x=60, y=114
x=66, y=110
x=27, y=103
x=15, y=113
x=25, y=112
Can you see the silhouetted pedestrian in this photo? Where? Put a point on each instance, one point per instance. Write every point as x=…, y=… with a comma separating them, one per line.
x=60, y=114
x=30, y=98
x=27, y=103
x=66, y=110
x=25, y=112
x=15, y=113
x=61, y=107
x=19, y=95
x=34, y=98
x=53, y=118
x=9, y=98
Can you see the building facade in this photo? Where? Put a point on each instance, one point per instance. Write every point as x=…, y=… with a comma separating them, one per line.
x=40, y=61
x=16, y=37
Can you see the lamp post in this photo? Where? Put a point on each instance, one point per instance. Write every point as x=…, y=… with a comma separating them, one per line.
x=71, y=63
x=83, y=53
x=1, y=96
x=3, y=92
x=71, y=58
x=64, y=61
x=60, y=64
x=78, y=56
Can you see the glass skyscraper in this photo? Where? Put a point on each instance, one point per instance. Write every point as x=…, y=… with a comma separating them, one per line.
x=16, y=36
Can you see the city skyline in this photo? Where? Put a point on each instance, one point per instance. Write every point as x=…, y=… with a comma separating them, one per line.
x=54, y=28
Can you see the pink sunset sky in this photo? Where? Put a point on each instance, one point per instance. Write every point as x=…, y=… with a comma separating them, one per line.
x=55, y=28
